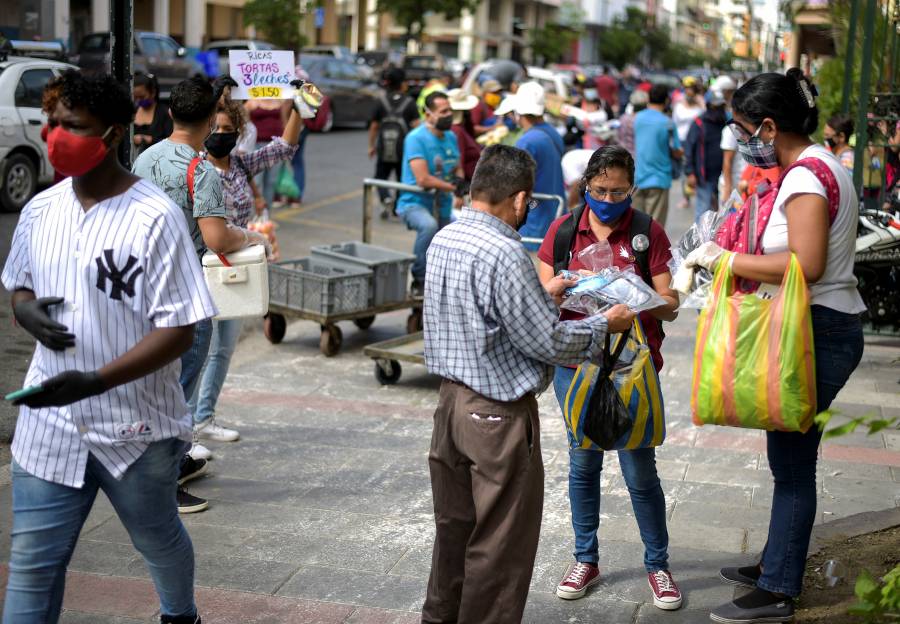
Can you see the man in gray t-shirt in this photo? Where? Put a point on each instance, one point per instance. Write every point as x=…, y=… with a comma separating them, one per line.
x=193, y=107
x=166, y=165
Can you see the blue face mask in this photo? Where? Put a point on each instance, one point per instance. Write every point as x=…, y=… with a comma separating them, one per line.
x=606, y=211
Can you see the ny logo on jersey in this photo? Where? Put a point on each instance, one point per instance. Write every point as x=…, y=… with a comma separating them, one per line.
x=121, y=281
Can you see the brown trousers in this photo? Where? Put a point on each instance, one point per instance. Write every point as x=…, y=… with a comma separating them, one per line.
x=653, y=201
x=487, y=479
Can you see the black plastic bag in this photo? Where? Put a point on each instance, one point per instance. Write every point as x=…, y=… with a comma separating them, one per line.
x=607, y=418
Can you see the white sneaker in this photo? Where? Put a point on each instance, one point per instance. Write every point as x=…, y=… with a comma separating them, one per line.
x=198, y=452
x=209, y=430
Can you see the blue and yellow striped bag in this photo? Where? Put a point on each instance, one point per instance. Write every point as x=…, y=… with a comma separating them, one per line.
x=638, y=387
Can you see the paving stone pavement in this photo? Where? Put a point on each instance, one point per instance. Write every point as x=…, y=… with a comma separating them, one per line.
x=321, y=513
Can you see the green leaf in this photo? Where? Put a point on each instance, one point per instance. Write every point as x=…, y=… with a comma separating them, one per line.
x=844, y=429
x=865, y=585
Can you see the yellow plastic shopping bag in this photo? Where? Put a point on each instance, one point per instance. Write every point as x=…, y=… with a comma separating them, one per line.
x=754, y=364
x=638, y=388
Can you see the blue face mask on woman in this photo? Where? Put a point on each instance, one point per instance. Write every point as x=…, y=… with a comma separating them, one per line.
x=606, y=211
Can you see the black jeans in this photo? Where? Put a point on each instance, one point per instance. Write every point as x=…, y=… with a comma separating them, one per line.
x=383, y=172
x=838, y=342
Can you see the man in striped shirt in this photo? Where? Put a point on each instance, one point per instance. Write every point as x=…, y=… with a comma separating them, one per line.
x=104, y=276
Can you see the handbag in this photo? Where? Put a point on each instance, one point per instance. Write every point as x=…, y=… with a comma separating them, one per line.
x=635, y=419
x=754, y=362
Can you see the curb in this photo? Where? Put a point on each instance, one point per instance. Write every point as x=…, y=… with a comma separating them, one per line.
x=853, y=526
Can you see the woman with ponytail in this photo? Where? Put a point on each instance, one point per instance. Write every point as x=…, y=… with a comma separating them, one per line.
x=811, y=212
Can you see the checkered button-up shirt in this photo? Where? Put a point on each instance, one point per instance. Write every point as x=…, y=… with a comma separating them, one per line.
x=489, y=324
x=238, y=194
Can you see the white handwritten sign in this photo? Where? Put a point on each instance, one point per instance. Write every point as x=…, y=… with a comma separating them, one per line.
x=262, y=74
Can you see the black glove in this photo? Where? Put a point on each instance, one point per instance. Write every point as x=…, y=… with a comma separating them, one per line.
x=32, y=316
x=67, y=387
x=297, y=83
x=462, y=186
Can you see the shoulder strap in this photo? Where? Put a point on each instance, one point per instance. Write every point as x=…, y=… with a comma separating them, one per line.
x=565, y=239
x=242, y=165
x=640, y=224
x=192, y=168
x=826, y=176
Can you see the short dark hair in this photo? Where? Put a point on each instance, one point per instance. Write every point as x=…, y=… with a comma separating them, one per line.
x=193, y=101
x=433, y=97
x=842, y=124
x=393, y=77
x=100, y=94
x=609, y=157
x=149, y=82
x=659, y=93
x=787, y=99
x=502, y=171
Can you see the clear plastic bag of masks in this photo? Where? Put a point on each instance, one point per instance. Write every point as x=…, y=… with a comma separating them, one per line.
x=611, y=286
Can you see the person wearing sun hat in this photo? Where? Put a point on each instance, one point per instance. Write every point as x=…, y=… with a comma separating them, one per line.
x=463, y=104
x=482, y=114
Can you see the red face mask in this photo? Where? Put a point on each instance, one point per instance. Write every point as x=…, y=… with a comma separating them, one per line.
x=75, y=155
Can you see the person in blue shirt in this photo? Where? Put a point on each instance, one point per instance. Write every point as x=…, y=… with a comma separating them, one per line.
x=430, y=160
x=546, y=146
x=656, y=145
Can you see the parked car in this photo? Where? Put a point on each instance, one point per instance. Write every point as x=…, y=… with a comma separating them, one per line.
x=340, y=52
x=420, y=68
x=352, y=93
x=380, y=59
x=226, y=45
x=23, y=154
x=504, y=71
x=154, y=53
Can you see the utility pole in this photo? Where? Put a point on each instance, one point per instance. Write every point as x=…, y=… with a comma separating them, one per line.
x=121, y=43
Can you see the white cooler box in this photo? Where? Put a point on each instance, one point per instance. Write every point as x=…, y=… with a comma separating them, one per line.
x=242, y=289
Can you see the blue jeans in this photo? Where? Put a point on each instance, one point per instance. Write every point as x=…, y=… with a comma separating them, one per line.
x=423, y=222
x=224, y=340
x=193, y=359
x=298, y=164
x=266, y=179
x=47, y=518
x=647, y=498
x=792, y=456
x=707, y=198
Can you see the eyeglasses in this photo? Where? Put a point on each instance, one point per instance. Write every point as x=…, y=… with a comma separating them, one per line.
x=531, y=203
x=615, y=195
x=741, y=133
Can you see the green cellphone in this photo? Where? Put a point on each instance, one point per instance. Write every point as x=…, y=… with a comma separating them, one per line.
x=24, y=392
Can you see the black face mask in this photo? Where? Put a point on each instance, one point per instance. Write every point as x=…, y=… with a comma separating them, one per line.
x=830, y=143
x=444, y=123
x=220, y=144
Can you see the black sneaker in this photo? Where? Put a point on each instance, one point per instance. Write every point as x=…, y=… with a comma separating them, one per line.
x=188, y=503
x=781, y=611
x=191, y=469
x=180, y=619
x=741, y=577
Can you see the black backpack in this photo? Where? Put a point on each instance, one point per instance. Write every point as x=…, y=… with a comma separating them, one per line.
x=392, y=130
x=565, y=240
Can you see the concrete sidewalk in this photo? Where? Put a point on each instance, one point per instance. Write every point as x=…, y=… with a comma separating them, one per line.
x=322, y=512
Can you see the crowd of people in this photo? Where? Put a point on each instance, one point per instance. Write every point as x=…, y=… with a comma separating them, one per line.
x=105, y=273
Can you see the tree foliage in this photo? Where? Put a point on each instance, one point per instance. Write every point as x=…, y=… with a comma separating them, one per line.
x=550, y=42
x=278, y=21
x=632, y=39
x=411, y=14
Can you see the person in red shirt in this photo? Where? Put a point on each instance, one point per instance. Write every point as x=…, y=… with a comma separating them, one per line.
x=608, y=183
x=462, y=104
x=608, y=89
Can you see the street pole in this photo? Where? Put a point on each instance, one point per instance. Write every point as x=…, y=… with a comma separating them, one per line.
x=851, y=49
x=121, y=39
x=862, y=126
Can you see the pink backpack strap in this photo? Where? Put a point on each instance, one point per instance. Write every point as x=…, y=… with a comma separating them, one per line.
x=826, y=176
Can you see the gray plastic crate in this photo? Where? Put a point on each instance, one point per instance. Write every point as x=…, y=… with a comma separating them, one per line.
x=390, y=269
x=319, y=286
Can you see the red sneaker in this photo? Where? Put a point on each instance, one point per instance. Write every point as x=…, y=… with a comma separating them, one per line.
x=666, y=594
x=579, y=576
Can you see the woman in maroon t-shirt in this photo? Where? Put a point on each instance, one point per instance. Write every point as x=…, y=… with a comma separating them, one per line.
x=608, y=183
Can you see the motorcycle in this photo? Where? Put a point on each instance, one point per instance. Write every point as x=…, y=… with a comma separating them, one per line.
x=877, y=262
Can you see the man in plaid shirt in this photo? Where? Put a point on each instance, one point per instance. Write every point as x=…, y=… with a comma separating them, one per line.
x=492, y=332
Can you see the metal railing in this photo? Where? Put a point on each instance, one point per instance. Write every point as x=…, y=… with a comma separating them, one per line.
x=372, y=183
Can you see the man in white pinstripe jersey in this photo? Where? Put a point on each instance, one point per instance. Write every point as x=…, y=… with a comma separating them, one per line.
x=105, y=277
